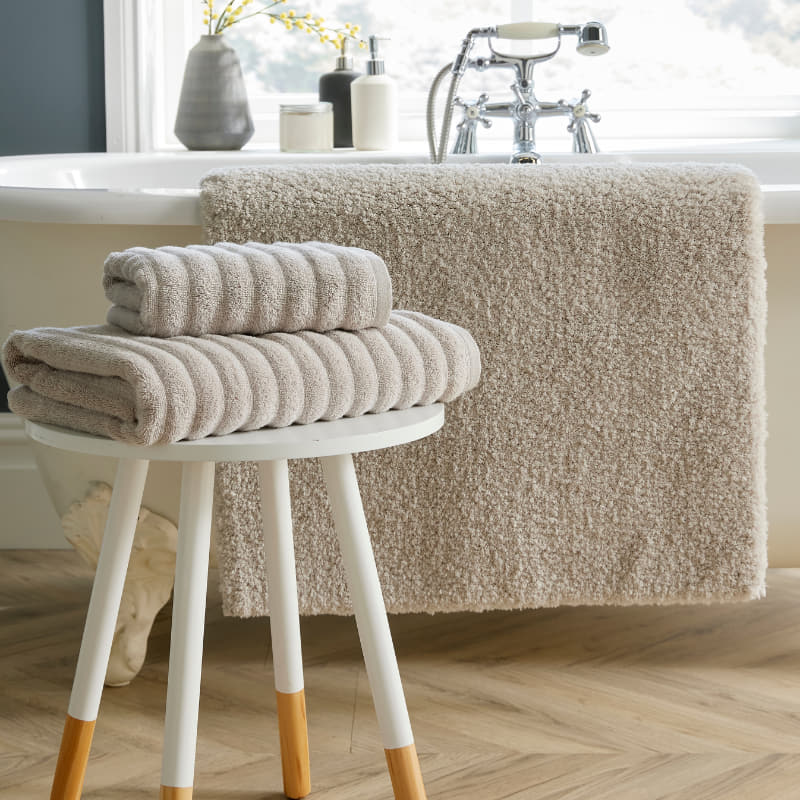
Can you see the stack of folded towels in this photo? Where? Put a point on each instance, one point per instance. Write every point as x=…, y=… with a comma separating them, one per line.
x=210, y=339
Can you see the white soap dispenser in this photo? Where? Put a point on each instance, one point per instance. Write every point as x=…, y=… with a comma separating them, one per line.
x=374, y=105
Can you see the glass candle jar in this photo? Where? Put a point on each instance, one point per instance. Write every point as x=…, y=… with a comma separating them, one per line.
x=306, y=128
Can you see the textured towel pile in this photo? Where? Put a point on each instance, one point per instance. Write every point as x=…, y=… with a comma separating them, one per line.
x=250, y=288
x=146, y=390
x=151, y=390
x=613, y=452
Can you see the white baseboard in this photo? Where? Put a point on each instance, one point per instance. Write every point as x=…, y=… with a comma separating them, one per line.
x=27, y=517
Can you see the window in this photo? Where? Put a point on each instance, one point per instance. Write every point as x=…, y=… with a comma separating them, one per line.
x=694, y=68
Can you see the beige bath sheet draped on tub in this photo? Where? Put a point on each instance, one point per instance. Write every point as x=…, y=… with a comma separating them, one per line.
x=614, y=450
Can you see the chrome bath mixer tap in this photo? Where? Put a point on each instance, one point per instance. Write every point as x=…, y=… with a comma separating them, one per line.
x=524, y=108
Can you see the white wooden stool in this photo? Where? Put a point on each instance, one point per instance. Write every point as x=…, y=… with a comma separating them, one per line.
x=332, y=442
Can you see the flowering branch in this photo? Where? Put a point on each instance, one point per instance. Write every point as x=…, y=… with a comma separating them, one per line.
x=233, y=12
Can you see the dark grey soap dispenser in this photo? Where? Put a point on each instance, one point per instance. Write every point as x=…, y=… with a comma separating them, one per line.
x=334, y=87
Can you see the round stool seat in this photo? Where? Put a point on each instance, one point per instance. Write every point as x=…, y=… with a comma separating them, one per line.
x=316, y=440
x=333, y=443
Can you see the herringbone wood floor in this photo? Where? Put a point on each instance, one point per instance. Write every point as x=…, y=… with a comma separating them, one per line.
x=685, y=703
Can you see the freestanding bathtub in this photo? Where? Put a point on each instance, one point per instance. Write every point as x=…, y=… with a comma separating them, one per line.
x=61, y=215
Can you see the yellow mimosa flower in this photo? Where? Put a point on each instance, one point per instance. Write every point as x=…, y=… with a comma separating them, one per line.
x=232, y=11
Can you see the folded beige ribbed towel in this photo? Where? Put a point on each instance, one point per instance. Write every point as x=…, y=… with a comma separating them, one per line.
x=146, y=390
x=246, y=288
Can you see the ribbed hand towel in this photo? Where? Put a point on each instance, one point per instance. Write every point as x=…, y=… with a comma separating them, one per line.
x=246, y=288
x=147, y=390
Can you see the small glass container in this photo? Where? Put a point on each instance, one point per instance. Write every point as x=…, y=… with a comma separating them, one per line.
x=306, y=128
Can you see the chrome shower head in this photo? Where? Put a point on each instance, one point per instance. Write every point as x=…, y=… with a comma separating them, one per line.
x=593, y=39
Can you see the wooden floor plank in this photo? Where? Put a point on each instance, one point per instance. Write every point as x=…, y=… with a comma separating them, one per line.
x=672, y=703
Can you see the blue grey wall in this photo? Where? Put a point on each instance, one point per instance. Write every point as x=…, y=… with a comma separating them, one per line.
x=52, y=87
x=52, y=93
x=52, y=90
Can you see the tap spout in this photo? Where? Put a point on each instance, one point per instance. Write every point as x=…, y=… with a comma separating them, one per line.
x=525, y=108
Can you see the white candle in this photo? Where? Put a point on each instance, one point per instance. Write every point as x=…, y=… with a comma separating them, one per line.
x=306, y=128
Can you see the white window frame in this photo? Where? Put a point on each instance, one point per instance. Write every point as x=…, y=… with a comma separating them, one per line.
x=135, y=61
x=137, y=97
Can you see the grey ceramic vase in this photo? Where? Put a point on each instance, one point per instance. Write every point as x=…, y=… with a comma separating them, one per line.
x=213, y=113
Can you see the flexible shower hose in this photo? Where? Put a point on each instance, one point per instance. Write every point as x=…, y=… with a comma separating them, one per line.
x=437, y=157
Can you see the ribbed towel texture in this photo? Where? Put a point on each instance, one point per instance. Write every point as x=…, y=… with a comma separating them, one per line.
x=146, y=390
x=246, y=288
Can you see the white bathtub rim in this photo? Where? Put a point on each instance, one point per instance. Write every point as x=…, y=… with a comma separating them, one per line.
x=180, y=206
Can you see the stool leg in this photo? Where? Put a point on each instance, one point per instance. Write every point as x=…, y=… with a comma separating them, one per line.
x=98, y=633
x=373, y=627
x=284, y=620
x=188, y=618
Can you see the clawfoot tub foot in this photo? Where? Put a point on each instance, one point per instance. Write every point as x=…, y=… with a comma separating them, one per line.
x=148, y=585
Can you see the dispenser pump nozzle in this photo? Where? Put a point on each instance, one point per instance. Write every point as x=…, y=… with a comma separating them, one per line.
x=375, y=64
x=343, y=60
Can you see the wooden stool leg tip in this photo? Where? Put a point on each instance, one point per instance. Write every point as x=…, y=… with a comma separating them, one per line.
x=294, y=744
x=72, y=759
x=175, y=793
x=405, y=773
